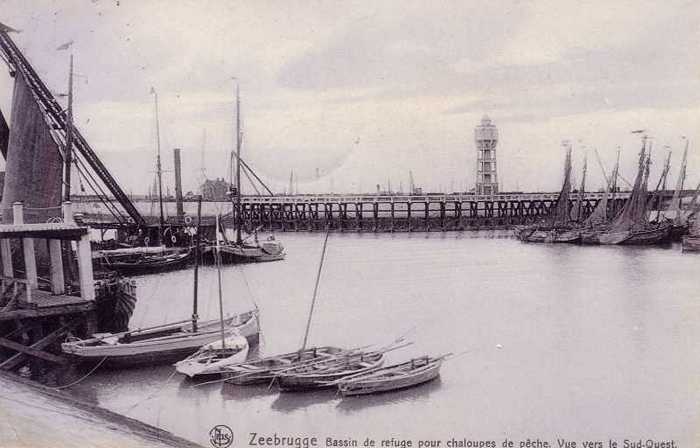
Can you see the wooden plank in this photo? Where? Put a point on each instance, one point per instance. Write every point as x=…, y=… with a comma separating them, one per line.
x=52, y=311
x=33, y=352
x=14, y=360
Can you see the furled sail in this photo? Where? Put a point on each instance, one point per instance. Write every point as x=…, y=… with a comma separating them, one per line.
x=577, y=212
x=34, y=164
x=4, y=135
x=561, y=213
x=636, y=204
x=674, y=208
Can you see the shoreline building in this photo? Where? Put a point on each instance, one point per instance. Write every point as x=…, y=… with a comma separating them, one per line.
x=486, y=138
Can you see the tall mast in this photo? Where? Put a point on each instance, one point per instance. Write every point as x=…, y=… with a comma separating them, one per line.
x=239, y=220
x=218, y=273
x=583, y=187
x=69, y=133
x=197, y=241
x=159, y=170
x=613, y=183
x=313, y=299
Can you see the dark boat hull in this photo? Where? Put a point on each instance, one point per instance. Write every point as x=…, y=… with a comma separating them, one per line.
x=150, y=264
x=649, y=237
x=299, y=382
x=690, y=243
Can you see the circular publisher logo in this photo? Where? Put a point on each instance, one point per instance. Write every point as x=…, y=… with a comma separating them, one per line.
x=221, y=436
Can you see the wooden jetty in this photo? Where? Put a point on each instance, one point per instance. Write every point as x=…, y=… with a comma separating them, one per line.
x=35, y=316
x=375, y=213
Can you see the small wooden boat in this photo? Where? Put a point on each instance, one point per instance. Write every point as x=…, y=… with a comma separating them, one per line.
x=562, y=235
x=647, y=236
x=210, y=359
x=399, y=376
x=157, y=345
x=146, y=263
x=690, y=243
x=263, y=370
x=269, y=250
x=323, y=373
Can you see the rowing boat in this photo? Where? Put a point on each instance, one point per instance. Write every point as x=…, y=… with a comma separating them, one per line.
x=399, y=376
x=263, y=370
x=319, y=375
x=210, y=359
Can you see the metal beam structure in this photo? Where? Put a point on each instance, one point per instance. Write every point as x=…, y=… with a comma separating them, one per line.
x=56, y=119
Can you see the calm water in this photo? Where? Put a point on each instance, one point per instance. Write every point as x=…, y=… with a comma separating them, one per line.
x=564, y=341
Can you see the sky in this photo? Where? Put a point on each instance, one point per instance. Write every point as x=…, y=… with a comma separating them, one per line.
x=351, y=94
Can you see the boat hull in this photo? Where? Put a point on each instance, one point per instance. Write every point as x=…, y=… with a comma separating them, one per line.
x=644, y=237
x=264, y=371
x=148, y=263
x=204, y=366
x=159, y=349
x=325, y=378
x=367, y=386
x=690, y=243
x=242, y=254
x=551, y=235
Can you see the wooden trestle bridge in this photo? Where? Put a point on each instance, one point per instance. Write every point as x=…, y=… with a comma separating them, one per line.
x=375, y=213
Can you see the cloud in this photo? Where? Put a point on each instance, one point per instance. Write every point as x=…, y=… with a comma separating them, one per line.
x=409, y=80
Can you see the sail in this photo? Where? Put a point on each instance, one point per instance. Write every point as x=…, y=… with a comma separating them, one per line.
x=561, y=213
x=577, y=212
x=34, y=165
x=600, y=213
x=4, y=135
x=673, y=211
x=631, y=211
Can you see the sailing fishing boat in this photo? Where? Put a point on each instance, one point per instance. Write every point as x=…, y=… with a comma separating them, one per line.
x=631, y=226
x=145, y=260
x=559, y=227
x=211, y=358
x=691, y=241
x=242, y=249
x=674, y=211
x=164, y=343
x=600, y=218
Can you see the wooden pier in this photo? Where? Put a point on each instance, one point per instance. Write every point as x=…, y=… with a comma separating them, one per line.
x=37, y=312
x=367, y=213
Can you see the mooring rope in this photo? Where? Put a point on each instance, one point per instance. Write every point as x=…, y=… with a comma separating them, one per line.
x=152, y=395
x=84, y=377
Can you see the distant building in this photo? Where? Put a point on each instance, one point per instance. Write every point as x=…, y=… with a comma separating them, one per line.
x=215, y=190
x=486, y=138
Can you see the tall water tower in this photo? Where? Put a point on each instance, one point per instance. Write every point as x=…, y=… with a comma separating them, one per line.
x=486, y=137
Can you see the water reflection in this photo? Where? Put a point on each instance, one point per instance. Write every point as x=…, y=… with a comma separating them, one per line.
x=560, y=335
x=243, y=393
x=288, y=402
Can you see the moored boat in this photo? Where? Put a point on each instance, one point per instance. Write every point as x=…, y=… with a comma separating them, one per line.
x=557, y=228
x=146, y=262
x=263, y=370
x=390, y=378
x=319, y=375
x=211, y=359
x=157, y=345
x=690, y=243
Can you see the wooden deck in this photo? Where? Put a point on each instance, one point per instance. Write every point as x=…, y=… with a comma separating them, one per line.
x=46, y=304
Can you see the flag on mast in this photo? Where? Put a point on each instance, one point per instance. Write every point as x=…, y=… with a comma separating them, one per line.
x=65, y=46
